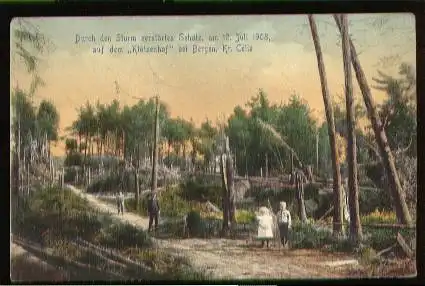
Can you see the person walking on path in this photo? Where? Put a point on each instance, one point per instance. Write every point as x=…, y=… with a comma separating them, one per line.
x=153, y=210
x=284, y=221
x=120, y=203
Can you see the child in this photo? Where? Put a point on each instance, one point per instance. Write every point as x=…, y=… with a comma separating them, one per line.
x=284, y=221
x=265, y=226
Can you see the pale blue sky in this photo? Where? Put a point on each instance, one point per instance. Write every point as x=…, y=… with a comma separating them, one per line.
x=200, y=86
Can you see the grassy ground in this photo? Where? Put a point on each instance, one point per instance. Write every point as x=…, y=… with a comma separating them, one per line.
x=51, y=221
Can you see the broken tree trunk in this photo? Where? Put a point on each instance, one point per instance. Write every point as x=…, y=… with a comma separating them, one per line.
x=231, y=189
x=353, y=188
x=227, y=174
x=225, y=225
x=404, y=246
x=276, y=231
x=266, y=167
x=337, y=220
x=299, y=183
x=397, y=193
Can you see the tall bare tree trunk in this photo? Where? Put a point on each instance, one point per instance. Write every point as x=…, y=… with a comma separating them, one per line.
x=225, y=225
x=300, y=179
x=18, y=163
x=231, y=189
x=86, y=147
x=136, y=176
x=353, y=188
x=155, y=147
x=227, y=175
x=292, y=164
x=338, y=203
x=267, y=165
x=397, y=193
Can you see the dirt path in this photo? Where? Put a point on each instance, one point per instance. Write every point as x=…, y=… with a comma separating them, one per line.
x=225, y=258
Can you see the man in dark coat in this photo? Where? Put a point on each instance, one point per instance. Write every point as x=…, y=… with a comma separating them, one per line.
x=153, y=210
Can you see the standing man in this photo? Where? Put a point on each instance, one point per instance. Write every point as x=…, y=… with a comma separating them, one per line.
x=153, y=210
x=120, y=203
x=284, y=221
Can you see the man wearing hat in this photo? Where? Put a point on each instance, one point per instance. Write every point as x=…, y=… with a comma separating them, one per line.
x=153, y=210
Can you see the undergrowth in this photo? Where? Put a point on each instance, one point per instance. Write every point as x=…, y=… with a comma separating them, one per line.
x=54, y=219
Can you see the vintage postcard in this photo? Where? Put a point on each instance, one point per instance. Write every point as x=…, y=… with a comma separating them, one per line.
x=213, y=147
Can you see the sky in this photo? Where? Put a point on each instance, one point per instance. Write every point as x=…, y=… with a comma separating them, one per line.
x=210, y=85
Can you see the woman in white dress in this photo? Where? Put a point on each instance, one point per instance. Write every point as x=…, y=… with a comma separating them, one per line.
x=265, y=226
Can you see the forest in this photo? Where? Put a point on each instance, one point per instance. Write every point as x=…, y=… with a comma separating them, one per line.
x=358, y=163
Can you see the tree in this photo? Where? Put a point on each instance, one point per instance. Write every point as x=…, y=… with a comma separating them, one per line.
x=261, y=109
x=227, y=175
x=205, y=144
x=155, y=146
x=353, y=189
x=47, y=121
x=298, y=127
x=71, y=146
x=338, y=202
x=29, y=44
x=398, y=111
x=397, y=193
x=239, y=136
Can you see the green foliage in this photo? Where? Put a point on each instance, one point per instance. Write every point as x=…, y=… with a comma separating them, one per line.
x=73, y=159
x=106, y=184
x=311, y=192
x=307, y=236
x=122, y=236
x=48, y=120
x=245, y=217
x=25, y=112
x=195, y=189
x=369, y=200
x=195, y=224
x=379, y=217
x=398, y=111
x=292, y=121
x=32, y=123
x=381, y=238
x=170, y=202
x=55, y=213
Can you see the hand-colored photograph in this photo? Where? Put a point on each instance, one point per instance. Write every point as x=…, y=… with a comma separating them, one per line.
x=239, y=147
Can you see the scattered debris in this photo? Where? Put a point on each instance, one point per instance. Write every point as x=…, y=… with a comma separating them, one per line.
x=211, y=207
x=407, y=250
x=341, y=263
